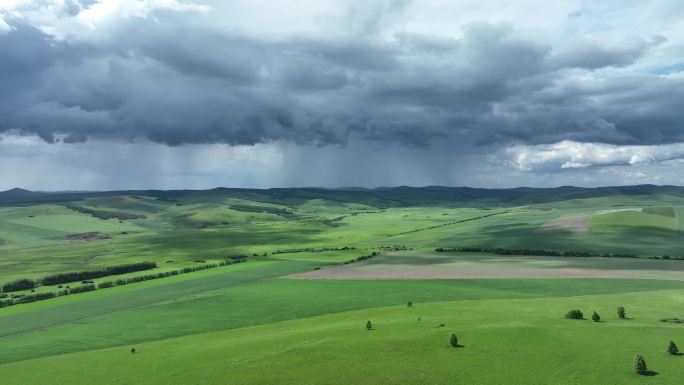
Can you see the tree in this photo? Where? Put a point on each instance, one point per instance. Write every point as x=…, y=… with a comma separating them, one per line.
x=621, y=312
x=453, y=340
x=673, y=349
x=595, y=317
x=132, y=350
x=574, y=314
x=640, y=364
x=409, y=304
x=369, y=325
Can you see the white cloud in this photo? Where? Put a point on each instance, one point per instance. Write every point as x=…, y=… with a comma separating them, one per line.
x=106, y=9
x=574, y=155
x=4, y=27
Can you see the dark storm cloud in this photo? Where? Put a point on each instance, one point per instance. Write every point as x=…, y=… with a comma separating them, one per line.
x=25, y=53
x=174, y=80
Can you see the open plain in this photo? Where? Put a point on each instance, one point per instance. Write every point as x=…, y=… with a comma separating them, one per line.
x=276, y=287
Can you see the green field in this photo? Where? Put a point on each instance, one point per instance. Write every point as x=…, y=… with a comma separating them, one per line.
x=295, y=311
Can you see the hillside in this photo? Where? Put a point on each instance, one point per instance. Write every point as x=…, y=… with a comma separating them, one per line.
x=402, y=196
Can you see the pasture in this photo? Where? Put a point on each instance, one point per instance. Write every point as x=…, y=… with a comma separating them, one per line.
x=319, y=264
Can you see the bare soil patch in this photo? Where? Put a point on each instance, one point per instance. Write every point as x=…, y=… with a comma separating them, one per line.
x=570, y=224
x=90, y=236
x=393, y=267
x=611, y=211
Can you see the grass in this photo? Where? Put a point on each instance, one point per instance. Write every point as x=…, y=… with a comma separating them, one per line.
x=214, y=302
x=633, y=221
x=242, y=324
x=500, y=338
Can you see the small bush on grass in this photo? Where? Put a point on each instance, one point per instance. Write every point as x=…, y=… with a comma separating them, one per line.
x=82, y=289
x=673, y=349
x=640, y=364
x=595, y=317
x=453, y=340
x=369, y=325
x=574, y=314
x=621, y=312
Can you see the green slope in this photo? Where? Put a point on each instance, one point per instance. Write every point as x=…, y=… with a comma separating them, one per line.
x=524, y=341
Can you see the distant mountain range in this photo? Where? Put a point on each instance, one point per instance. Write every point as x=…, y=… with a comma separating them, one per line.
x=379, y=197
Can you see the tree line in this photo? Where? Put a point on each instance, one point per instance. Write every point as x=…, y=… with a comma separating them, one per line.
x=56, y=279
x=361, y=258
x=19, y=284
x=26, y=298
x=312, y=250
x=452, y=223
x=104, y=214
x=60, y=278
x=546, y=253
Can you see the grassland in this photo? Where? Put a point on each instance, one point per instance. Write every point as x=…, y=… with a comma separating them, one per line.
x=253, y=323
x=412, y=265
x=505, y=341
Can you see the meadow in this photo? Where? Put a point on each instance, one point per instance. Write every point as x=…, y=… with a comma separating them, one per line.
x=320, y=264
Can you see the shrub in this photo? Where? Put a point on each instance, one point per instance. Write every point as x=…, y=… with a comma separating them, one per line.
x=640, y=364
x=621, y=312
x=595, y=317
x=35, y=297
x=82, y=289
x=453, y=340
x=369, y=325
x=673, y=349
x=6, y=302
x=105, y=284
x=19, y=284
x=409, y=304
x=574, y=314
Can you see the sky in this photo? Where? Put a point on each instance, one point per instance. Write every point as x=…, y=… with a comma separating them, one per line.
x=193, y=94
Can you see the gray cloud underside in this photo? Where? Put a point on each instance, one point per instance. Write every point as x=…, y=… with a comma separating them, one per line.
x=180, y=80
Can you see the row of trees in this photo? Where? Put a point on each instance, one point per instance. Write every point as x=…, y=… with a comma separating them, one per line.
x=21, y=298
x=60, y=278
x=56, y=279
x=104, y=214
x=537, y=252
x=547, y=253
x=361, y=258
x=19, y=284
x=82, y=289
x=452, y=223
x=312, y=250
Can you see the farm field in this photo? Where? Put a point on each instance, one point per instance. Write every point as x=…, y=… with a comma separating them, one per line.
x=276, y=286
x=476, y=266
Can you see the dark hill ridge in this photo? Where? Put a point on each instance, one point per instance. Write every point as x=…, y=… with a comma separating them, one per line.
x=18, y=192
x=378, y=197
